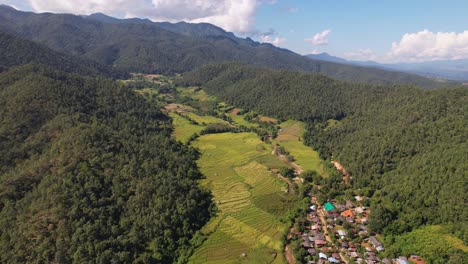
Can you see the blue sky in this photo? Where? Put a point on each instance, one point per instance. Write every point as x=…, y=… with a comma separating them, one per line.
x=381, y=30
x=359, y=24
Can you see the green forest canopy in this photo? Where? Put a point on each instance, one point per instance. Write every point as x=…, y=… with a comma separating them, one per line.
x=89, y=173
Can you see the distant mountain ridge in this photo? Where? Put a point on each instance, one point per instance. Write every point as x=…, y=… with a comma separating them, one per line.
x=140, y=45
x=456, y=70
x=15, y=51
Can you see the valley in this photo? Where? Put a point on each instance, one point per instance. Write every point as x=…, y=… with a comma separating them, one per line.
x=254, y=203
x=263, y=190
x=135, y=140
x=262, y=215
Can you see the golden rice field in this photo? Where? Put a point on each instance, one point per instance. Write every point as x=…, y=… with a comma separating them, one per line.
x=249, y=197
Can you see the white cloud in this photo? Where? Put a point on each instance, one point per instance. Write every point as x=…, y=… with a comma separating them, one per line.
x=315, y=51
x=420, y=46
x=277, y=41
x=232, y=15
x=320, y=39
x=427, y=45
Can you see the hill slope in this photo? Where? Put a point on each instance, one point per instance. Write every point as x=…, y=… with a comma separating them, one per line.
x=89, y=173
x=15, y=51
x=138, y=45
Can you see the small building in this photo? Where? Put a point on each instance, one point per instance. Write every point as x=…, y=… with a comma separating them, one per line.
x=416, y=259
x=347, y=213
x=313, y=207
x=341, y=207
x=329, y=207
x=333, y=260
x=402, y=260
x=349, y=204
x=376, y=243
x=342, y=233
x=312, y=251
x=320, y=243
x=358, y=210
x=322, y=255
x=386, y=261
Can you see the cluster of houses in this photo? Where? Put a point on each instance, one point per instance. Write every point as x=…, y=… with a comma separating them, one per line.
x=338, y=233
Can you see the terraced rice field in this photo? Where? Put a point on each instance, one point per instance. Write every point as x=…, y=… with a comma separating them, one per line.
x=205, y=119
x=239, y=181
x=291, y=139
x=183, y=129
x=240, y=121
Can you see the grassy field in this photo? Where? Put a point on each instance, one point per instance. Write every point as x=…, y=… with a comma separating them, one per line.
x=205, y=101
x=250, y=199
x=240, y=121
x=290, y=137
x=205, y=119
x=183, y=129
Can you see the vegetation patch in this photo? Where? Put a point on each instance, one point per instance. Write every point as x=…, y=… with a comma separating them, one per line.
x=267, y=119
x=183, y=128
x=434, y=243
x=290, y=137
x=250, y=200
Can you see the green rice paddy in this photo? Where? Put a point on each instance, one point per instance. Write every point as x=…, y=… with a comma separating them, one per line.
x=290, y=137
x=250, y=200
x=183, y=129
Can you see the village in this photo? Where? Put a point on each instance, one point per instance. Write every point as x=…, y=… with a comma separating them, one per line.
x=337, y=232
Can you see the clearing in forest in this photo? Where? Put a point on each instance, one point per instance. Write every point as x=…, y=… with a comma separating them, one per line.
x=186, y=124
x=290, y=137
x=251, y=200
x=183, y=128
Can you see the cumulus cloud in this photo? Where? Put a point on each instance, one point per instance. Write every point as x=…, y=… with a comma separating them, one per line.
x=315, y=51
x=320, y=39
x=277, y=41
x=427, y=45
x=232, y=15
x=420, y=46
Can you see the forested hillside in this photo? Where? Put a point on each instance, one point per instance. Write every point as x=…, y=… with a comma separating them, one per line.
x=89, y=173
x=142, y=46
x=404, y=146
x=15, y=51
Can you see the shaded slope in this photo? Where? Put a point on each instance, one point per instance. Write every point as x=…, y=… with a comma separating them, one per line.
x=15, y=51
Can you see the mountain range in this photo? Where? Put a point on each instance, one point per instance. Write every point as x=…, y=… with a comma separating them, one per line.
x=447, y=69
x=139, y=45
x=15, y=51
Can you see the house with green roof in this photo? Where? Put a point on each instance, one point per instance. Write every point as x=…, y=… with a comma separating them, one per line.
x=329, y=207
